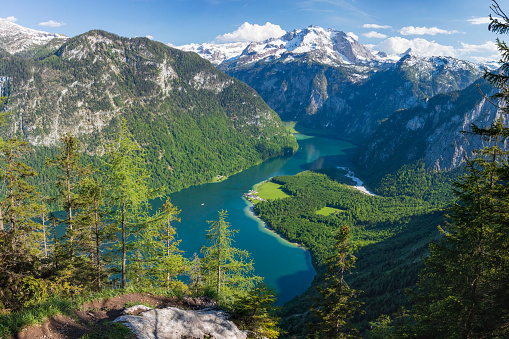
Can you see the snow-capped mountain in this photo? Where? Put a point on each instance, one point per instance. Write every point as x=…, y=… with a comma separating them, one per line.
x=15, y=38
x=325, y=46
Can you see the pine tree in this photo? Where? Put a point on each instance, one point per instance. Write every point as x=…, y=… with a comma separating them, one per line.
x=20, y=237
x=71, y=171
x=257, y=311
x=463, y=289
x=127, y=178
x=171, y=260
x=95, y=230
x=227, y=270
x=337, y=307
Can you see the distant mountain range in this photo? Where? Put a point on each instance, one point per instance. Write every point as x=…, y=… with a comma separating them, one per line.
x=323, y=78
x=326, y=79
x=17, y=39
x=329, y=47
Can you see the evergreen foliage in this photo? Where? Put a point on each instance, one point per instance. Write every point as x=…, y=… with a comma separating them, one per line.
x=463, y=289
x=338, y=305
x=256, y=312
x=128, y=179
x=226, y=269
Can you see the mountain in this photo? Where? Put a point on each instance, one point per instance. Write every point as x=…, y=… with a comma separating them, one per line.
x=324, y=46
x=432, y=131
x=326, y=79
x=195, y=122
x=16, y=39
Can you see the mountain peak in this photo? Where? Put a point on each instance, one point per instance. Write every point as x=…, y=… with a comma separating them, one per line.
x=327, y=46
x=15, y=38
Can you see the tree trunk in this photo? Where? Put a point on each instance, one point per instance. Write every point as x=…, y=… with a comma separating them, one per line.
x=2, y=219
x=44, y=235
x=219, y=268
x=97, y=246
x=123, y=246
x=69, y=208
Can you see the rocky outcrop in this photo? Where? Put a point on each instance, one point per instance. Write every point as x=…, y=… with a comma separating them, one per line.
x=174, y=323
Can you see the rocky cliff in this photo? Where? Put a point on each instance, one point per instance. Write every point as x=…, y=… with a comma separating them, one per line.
x=432, y=131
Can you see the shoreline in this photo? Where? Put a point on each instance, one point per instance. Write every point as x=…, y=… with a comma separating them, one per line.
x=270, y=230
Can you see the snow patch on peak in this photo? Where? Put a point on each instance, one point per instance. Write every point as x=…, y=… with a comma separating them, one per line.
x=325, y=46
x=15, y=38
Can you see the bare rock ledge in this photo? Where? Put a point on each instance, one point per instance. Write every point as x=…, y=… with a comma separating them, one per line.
x=174, y=323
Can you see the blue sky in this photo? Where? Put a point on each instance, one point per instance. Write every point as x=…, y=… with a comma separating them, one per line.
x=445, y=27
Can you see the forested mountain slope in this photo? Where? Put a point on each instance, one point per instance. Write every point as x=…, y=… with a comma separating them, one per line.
x=194, y=121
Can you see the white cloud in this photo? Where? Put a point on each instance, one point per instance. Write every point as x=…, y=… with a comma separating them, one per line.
x=375, y=26
x=421, y=47
x=488, y=47
x=11, y=19
x=485, y=59
x=150, y=37
x=411, y=30
x=374, y=34
x=353, y=35
x=480, y=21
x=52, y=23
x=248, y=32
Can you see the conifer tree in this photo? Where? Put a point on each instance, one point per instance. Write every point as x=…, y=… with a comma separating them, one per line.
x=338, y=305
x=95, y=231
x=171, y=260
x=71, y=172
x=257, y=311
x=227, y=270
x=20, y=250
x=127, y=178
x=463, y=289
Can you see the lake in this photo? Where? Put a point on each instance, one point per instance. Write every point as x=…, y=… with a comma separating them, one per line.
x=284, y=266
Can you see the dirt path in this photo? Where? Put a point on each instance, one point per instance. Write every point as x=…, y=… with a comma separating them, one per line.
x=95, y=318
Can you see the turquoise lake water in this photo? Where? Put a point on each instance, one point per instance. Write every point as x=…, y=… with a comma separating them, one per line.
x=283, y=265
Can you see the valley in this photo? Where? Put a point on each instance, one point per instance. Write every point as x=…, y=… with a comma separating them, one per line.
x=382, y=178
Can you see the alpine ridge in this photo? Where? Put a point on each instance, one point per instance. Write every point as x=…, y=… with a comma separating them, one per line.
x=17, y=39
x=178, y=106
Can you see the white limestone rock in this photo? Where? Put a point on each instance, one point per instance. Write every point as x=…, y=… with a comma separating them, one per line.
x=174, y=323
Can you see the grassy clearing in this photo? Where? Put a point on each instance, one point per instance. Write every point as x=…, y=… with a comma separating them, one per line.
x=328, y=211
x=290, y=126
x=270, y=190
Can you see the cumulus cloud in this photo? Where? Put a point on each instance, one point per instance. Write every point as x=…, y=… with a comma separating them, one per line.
x=486, y=52
x=480, y=21
x=375, y=26
x=353, y=35
x=422, y=47
x=150, y=37
x=487, y=47
x=374, y=34
x=411, y=30
x=11, y=19
x=248, y=32
x=52, y=23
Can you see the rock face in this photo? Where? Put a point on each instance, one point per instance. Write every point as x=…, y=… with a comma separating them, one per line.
x=326, y=79
x=431, y=131
x=174, y=323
